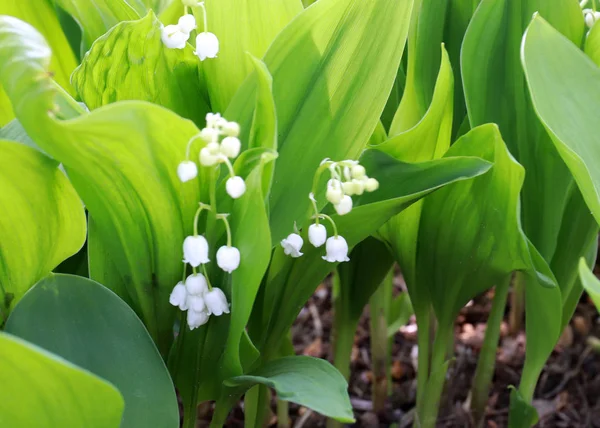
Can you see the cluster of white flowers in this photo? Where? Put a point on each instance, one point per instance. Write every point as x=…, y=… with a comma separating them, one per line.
x=339, y=192
x=196, y=294
x=176, y=36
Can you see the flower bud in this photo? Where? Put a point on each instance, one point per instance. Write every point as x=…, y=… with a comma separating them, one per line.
x=209, y=134
x=235, y=186
x=216, y=302
x=173, y=37
x=207, y=158
x=292, y=245
x=231, y=129
x=348, y=188
x=195, y=250
x=228, y=258
x=336, y=250
x=358, y=171
x=195, y=303
x=359, y=186
x=334, y=191
x=317, y=234
x=345, y=206
x=207, y=45
x=196, y=284
x=187, y=170
x=230, y=147
x=178, y=296
x=371, y=185
x=196, y=319
x=187, y=23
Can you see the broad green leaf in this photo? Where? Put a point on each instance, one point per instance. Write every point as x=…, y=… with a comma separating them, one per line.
x=290, y=282
x=565, y=90
x=94, y=329
x=522, y=414
x=96, y=17
x=242, y=26
x=42, y=223
x=122, y=160
x=130, y=62
x=309, y=382
x=40, y=389
x=590, y=282
x=592, y=44
x=342, y=57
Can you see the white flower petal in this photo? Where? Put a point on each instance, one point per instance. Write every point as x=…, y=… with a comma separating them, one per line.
x=230, y=147
x=187, y=170
x=345, y=205
x=195, y=250
x=336, y=250
x=187, y=23
x=317, y=234
x=196, y=285
x=235, y=187
x=292, y=245
x=178, y=296
x=207, y=45
x=216, y=302
x=196, y=319
x=228, y=258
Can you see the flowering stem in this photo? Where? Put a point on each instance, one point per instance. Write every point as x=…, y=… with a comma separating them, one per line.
x=197, y=215
x=311, y=196
x=201, y=4
x=206, y=276
x=227, y=227
x=324, y=165
x=189, y=145
x=184, y=272
x=326, y=217
x=229, y=166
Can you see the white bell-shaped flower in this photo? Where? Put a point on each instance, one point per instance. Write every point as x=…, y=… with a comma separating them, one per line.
x=292, y=245
x=348, y=188
x=230, y=147
x=207, y=45
x=345, y=205
x=173, y=37
x=187, y=170
x=210, y=135
x=359, y=186
x=228, y=258
x=216, y=302
x=195, y=250
x=196, y=285
x=187, y=23
x=209, y=155
x=371, y=185
x=178, y=296
x=336, y=250
x=196, y=319
x=235, y=187
x=231, y=129
x=358, y=171
x=334, y=192
x=196, y=303
x=317, y=234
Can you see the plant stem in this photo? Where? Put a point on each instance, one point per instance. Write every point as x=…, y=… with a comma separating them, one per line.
x=426, y=418
x=222, y=408
x=283, y=417
x=517, y=305
x=423, y=345
x=190, y=414
x=487, y=357
x=379, y=343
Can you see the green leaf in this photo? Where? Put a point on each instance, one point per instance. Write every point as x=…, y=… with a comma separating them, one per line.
x=307, y=381
x=565, y=89
x=130, y=62
x=242, y=26
x=590, y=282
x=122, y=160
x=43, y=390
x=342, y=57
x=96, y=17
x=43, y=220
x=522, y=414
x=88, y=325
x=592, y=44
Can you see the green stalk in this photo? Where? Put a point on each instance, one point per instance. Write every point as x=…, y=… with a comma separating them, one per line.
x=517, y=305
x=487, y=357
x=190, y=414
x=424, y=325
x=257, y=402
x=283, y=416
x=426, y=418
x=222, y=408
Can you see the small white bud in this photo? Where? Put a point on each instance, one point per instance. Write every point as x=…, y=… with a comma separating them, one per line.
x=334, y=192
x=216, y=302
x=187, y=23
x=187, y=170
x=196, y=303
x=178, y=296
x=207, y=45
x=228, y=258
x=196, y=284
x=292, y=245
x=231, y=129
x=235, y=186
x=345, y=206
x=197, y=319
x=209, y=135
x=230, y=147
x=173, y=37
x=195, y=250
x=371, y=185
x=336, y=250
x=348, y=188
x=358, y=171
x=359, y=186
x=207, y=158
x=317, y=234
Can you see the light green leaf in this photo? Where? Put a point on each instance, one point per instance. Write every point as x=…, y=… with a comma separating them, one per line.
x=41, y=389
x=592, y=44
x=94, y=329
x=590, y=282
x=122, y=160
x=307, y=381
x=342, y=57
x=96, y=17
x=130, y=62
x=42, y=223
x=242, y=26
x=565, y=90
